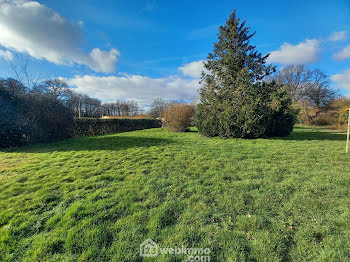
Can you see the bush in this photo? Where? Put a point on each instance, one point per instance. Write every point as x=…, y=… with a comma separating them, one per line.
x=32, y=118
x=323, y=119
x=96, y=126
x=252, y=111
x=178, y=117
x=339, y=113
x=13, y=126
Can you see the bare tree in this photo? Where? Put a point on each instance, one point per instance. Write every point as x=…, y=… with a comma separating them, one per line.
x=20, y=66
x=91, y=106
x=158, y=107
x=133, y=107
x=56, y=87
x=301, y=80
x=121, y=108
x=321, y=96
x=13, y=86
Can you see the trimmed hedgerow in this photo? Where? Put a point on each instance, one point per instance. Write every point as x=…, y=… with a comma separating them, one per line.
x=95, y=126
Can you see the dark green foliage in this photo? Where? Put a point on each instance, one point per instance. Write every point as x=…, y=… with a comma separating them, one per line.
x=235, y=102
x=52, y=120
x=29, y=118
x=13, y=126
x=93, y=126
x=263, y=111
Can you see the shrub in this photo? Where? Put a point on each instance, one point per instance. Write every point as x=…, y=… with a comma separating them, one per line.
x=52, y=120
x=339, y=112
x=32, y=118
x=263, y=111
x=178, y=117
x=342, y=120
x=323, y=119
x=13, y=125
x=96, y=126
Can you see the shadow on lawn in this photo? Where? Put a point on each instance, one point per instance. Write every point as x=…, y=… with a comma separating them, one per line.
x=304, y=133
x=113, y=143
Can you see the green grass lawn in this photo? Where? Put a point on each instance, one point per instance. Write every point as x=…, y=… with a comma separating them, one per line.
x=98, y=198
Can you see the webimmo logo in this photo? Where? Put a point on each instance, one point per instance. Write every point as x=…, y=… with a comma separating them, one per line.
x=149, y=248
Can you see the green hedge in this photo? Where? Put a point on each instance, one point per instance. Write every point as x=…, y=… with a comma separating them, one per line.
x=95, y=126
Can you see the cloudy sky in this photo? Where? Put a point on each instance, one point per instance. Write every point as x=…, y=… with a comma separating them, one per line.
x=155, y=48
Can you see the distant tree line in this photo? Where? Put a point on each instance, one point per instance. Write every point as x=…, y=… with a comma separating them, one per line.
x=80, y=105
x=44, y=111
x=120, y=108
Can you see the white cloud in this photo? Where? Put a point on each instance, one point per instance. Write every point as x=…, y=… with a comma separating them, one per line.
x=338, y=36
x=342, y=55
x=140, y=88
x=103, y=61
x=33, y=28
x=342, y=80
x=193, y=69
x=7, y=55
x=303, y=53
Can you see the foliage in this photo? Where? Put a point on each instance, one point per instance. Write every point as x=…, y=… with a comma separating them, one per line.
x=263, y=111
x=323, y=119
x=336, y=114
x=94, y=126
x=98, y=198
x=339, y=112
x=178, y=117
x=307, y=113
x=234, y=100
x=13, y=125
x=28, y=118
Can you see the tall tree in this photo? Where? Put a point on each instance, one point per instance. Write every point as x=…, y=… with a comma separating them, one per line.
x=301, y=80
x=234, y=100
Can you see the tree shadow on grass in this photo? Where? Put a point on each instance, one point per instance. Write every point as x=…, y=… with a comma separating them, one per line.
x=305, y=133
x=110, y=142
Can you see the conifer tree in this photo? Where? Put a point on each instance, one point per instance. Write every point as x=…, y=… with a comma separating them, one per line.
x=235, y=101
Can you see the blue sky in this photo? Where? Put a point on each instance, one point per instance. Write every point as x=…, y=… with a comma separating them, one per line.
x=142, y=49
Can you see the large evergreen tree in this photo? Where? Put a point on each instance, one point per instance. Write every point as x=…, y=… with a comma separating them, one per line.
x=235, y=101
